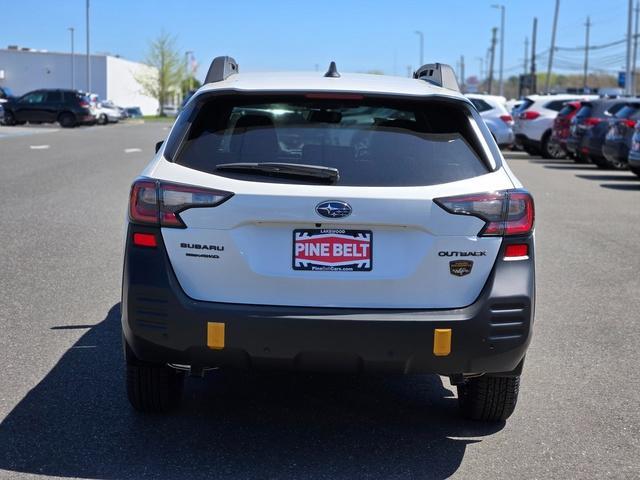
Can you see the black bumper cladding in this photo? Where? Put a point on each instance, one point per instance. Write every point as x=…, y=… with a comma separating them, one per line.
x=162, y=324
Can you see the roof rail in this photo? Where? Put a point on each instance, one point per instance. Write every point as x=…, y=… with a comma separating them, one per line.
x=439, y=74
x=221, y=68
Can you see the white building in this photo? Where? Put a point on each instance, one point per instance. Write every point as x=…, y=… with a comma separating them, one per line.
x=112, y=78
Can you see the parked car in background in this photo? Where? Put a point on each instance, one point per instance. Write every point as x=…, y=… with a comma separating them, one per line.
x=5, y=94
x=67, y=107
x=634, y=152
x=617, y=140
x=494, y=113
x=134, y=112
x=169, y=110
x=561, y=125
x=1, y=114
x=123, y=113
x=512, y=105
x=534, y=122
x=589, y=127
x=107, y=112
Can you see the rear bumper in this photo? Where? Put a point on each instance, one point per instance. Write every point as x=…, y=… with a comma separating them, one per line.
x=161, y=324
x=526, y=142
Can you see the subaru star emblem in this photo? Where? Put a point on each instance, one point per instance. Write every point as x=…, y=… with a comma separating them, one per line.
x=333, y=209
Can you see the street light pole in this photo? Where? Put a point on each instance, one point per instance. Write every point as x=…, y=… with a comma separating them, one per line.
x=502, y=11
x=187, y=56
x=88, y=53
x=421, y=35
x=73, y=61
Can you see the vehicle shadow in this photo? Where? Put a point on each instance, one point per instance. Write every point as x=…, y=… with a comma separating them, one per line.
x=622, y=186
x=625, y=177
x=572, y=166
x=77, y=423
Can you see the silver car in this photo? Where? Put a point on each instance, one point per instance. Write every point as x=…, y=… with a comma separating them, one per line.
x=493, y=111
x=107, y=112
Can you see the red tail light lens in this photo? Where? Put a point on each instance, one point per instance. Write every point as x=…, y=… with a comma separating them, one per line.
x=145, y=240
x=630, y=123
x=508, y=212
x=160, y=203
x=519, y=250
x=529, y=115
x=508, y=119
x=591, y=121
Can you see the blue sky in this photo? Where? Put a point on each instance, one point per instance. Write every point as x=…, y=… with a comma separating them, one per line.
x=297, y=35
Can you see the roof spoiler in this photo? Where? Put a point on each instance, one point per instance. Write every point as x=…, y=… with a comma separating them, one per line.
x=439, y=74
x=221, y=68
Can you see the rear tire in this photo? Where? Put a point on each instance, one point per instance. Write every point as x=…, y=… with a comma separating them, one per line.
x=606, y=164
x=103, y=120
x=152, y=388
x=488, y=399
x=550, y=149
x=67, y=120
x=9, y=118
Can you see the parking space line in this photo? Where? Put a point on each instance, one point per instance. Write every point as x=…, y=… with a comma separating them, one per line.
x=132, y=150
x=39, y=147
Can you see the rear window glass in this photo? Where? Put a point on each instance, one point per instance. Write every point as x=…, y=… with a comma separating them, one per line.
x=626, y=111
x=555, y=105
x=369, y=141
x=566, y=110
x=480, y=105
x=584, y=110
x=523, y=106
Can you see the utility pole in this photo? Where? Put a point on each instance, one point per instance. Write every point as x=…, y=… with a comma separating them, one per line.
x=534, y=80
x=73, y=61
x=502, y=9
x=421, y=35
x=88, y=54
x=481, y=60
x=462, y=72
x=627, y=81
x=586, y=56
x=553, y=46
x=494, y=31
x=526, y=55
x=635, y=50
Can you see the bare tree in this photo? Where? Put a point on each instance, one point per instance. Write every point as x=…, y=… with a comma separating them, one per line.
x=167, y=69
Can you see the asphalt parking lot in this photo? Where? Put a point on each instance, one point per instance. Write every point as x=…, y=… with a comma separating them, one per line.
x=63, y=410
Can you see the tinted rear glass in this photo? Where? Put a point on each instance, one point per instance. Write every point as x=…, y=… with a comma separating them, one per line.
x=566, y=110
x=584, y=111
x=370, y=142
x=626, y=111
x=524, y=105
x=480, y=105
x=556, y=105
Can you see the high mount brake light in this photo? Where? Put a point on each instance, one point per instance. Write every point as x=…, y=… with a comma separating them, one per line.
x=160, y=203
x=506, y=213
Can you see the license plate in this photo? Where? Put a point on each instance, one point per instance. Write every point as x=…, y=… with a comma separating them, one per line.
x=334, y=250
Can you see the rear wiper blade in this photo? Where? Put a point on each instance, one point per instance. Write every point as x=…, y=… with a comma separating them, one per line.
x=327, y=174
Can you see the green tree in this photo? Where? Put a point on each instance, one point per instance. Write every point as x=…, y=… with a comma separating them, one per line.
x=189, y=83
x=167, y=69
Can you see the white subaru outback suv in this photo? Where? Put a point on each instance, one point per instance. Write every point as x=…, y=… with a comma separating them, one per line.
x=353, y=223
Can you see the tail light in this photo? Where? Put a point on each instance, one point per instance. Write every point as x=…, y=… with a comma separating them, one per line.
x=160, y=203
x=629, y=123
x=591, y=122
x=506, y=213
x=508, y=119
x=529, y=115
x=84, y=104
